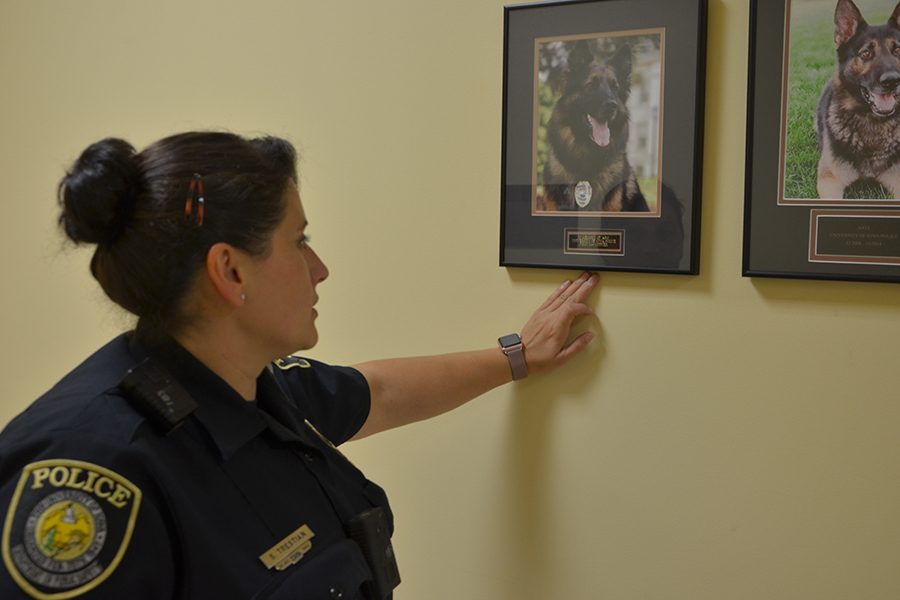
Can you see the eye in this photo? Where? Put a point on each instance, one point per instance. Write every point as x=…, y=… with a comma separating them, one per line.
x=866, y=54
x=895, y=51
x=303, y=242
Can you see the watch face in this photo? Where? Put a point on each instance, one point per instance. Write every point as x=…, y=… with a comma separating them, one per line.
x=510, y=340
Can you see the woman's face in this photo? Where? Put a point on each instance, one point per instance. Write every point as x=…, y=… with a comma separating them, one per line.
x=281, y=291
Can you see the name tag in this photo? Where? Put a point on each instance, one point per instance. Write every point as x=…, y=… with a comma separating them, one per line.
x=288, y=551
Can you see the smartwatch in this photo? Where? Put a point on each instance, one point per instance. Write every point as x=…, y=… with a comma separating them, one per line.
x=512, y=347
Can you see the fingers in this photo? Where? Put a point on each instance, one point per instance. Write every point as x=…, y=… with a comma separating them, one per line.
x=566, y=293
x=556, y=293
x=585, y=289
x=577, y=309
x=577, y=291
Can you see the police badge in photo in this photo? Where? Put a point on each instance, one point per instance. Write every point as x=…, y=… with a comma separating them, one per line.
x=68, y=526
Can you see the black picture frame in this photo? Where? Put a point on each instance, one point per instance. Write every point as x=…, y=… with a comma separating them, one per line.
x=793, y=226
x=572, y=185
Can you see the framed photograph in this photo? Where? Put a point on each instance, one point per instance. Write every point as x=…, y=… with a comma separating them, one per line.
x=822, y=189
x=602, y=135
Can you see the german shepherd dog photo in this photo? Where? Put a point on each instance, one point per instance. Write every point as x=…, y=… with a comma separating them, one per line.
x=858, y=118
x=587, y=168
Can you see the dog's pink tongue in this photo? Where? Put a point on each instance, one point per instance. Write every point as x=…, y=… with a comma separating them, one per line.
x=599, y=131
x=885, y=102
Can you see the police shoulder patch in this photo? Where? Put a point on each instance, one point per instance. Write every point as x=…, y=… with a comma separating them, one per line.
x=291, y=362
x=67, y=528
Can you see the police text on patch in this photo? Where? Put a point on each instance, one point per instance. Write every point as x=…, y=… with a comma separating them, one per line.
x=86, y=480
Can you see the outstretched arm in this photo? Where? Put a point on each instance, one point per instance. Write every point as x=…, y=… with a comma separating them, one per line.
x=405, y=390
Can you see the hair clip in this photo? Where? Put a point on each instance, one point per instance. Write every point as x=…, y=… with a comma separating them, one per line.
x=195, y=191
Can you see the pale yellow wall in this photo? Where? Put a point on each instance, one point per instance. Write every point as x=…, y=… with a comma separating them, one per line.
x=727, y=438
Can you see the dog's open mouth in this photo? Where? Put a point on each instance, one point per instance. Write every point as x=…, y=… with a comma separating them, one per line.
x=599, y=131
x=883, y=104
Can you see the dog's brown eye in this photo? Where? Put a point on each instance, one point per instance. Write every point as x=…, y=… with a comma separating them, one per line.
x=866, y=54
x=896, y=51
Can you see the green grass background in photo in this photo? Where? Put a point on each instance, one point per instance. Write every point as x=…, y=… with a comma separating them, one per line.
x=812, y=62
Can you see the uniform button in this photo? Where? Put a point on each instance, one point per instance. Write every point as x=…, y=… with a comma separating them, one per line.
x=336, y=593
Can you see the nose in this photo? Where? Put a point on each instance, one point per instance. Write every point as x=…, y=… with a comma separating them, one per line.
x=889, y=81
x=608, y=109
x=318, y=272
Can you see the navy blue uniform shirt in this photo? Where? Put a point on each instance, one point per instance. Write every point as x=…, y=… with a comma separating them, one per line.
x=243, y=500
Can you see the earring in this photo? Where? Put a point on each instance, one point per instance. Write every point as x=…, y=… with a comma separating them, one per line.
x=243, y=297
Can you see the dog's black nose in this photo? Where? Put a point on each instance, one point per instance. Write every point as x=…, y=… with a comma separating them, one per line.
x=889, y=81
x=609, y=109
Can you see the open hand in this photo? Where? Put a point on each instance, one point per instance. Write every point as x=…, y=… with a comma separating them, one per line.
x=546, y=332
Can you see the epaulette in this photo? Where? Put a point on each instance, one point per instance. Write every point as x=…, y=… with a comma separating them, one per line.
x=157, y=395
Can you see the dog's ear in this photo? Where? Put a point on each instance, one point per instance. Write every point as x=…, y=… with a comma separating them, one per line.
x=621, y=62
x=847, y=21
x=894, y=21
x=580, y=58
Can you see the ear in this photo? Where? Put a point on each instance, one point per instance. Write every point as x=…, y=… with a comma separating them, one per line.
x=847, y=21
x=894, y=21
x=580, y=57
x=225, y=267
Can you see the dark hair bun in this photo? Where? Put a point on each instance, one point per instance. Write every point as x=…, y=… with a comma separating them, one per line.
x=96, y=195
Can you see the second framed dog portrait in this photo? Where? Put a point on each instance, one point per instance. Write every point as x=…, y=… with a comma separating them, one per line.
x=822, y=191
x=602, y=135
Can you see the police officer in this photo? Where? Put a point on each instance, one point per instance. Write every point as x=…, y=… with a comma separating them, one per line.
x=185, y=459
